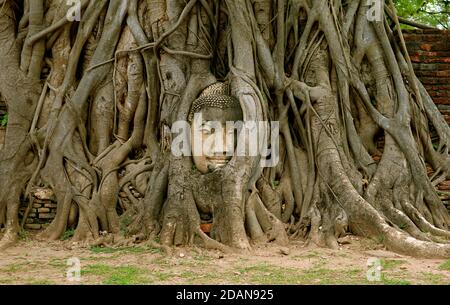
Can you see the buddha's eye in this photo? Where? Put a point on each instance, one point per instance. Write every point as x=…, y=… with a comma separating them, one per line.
x=208, y=129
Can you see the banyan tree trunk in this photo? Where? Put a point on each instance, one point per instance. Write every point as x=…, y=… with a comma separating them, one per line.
x=92, y=104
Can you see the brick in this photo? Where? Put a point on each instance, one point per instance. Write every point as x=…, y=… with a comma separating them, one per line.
x=47, y=216
x=437, y=74
x=442, y=94
x=37, y=205
x=433, y=31
x=44, y=210
x=415, y=58
x=435, y=60
x=431, y=37
x=444, y=108
x=50, y=205
x=33, y=226
x=438, y=53
x=438, y=87
x=419, y=44
x=426, y=47
x=411, y=31
x=431, y=67
x=442, y=100
x=435, y=81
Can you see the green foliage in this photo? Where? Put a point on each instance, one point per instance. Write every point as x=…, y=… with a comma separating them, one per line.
x=380, y=239
x=3, y=120
x=431, y=12
x=23, y=234
x=68, y=234
x=445, y=265
x=275, y=184
x=125, y=221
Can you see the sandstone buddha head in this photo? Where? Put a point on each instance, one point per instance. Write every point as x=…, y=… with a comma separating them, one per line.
x=213, y=141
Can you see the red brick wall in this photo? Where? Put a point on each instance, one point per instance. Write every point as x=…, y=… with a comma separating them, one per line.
x=430, y=54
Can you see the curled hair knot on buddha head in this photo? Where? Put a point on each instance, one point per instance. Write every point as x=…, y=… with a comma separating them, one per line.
x=217, y=96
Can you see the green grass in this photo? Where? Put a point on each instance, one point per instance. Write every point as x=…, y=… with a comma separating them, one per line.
x=40, y=282
x=162, y=261
x=14, y=267
x=135, y=250
x=120, y=275
x=389, y=264
x=392, y=281
x=310, y=254
x=161, y=276
x=355, y=271
x=433, y=278
x=318, y=274
x=445, y=266
x=201, y=257
x=7, y=281
x=68, y=234
x=97, y=249
x=59, y=263
x=126, y=275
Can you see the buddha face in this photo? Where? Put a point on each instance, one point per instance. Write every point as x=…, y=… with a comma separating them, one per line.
x=213, y=140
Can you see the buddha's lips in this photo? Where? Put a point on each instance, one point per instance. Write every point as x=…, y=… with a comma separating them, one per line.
x=223, y=160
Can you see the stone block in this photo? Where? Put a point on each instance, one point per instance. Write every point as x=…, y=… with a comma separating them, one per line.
x=47, y=216
x=33, y=226
x=43, y=194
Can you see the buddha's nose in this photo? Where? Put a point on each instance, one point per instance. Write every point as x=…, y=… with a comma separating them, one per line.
x=226, y=146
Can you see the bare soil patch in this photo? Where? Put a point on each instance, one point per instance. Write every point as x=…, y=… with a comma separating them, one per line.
x=34, y=262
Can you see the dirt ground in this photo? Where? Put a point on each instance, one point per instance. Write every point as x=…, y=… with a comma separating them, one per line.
x=38, y=263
